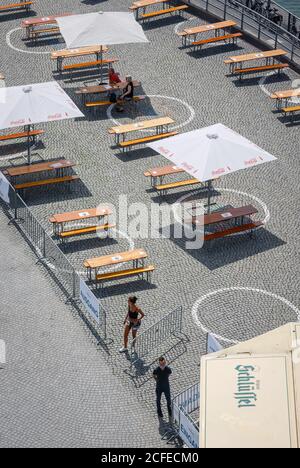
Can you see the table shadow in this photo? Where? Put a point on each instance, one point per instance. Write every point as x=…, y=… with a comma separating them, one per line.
x=223, y=252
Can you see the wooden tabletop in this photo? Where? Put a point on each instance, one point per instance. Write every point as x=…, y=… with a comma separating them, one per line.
x=104, y=88
x=141, y=125
x=257, y=56
x=39, y=167
x=44, y=20
x=286, y=94
x=79, y=215
x=116, y=258
x=210, y=27
x=164, y=171
x=145, y=3
x=228, y=215
x=65, y=53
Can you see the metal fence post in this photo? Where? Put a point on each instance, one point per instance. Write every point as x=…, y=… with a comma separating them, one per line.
x=289, y=22
x=74, y=285
x=44, y=245
x=225, y=9
x=104, y=324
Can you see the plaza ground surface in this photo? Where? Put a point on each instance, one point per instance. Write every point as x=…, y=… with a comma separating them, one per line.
x=56, y=383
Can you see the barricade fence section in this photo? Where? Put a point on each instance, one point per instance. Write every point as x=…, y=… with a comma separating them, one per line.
x=186, y=429
x=51, y=256
x=183, y=405
x=189, y=400
x=253, y=23
x=154, y=336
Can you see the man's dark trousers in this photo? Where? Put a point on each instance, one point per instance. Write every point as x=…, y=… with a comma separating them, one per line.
x=166, y=391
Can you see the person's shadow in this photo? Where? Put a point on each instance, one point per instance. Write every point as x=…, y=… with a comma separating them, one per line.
x=168, y=432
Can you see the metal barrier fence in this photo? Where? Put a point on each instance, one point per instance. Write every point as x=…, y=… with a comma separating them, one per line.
x=189, y=400
x=187, y=429
x=184, y=426
x=290, y=21
x=256, y=25
x=155, y=335
x=49, y=254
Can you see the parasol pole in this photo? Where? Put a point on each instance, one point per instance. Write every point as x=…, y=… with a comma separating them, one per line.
x=101, y=65
x=209, y=197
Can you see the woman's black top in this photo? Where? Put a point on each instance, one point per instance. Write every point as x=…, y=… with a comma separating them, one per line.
x=133, y=315
x=130, y=84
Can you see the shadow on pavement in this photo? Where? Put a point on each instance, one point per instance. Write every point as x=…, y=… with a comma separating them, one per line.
x=222, y=252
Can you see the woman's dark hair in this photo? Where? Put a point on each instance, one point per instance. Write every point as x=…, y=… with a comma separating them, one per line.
x=133, y=299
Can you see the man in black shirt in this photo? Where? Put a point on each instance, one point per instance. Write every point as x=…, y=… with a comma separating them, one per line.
x=161, y=375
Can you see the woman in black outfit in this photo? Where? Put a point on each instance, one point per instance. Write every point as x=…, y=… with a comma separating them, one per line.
x=132, y=321
x=127, y=95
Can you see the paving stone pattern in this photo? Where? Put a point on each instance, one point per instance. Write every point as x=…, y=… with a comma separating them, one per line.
x=190, y=88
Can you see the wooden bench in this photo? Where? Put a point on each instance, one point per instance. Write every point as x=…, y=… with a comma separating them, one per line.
x=276, y=66
x=85, y=230
x=211, y=40
x=154, y=14
x=37, y=32
x=109, y=103
x=292, y=110
x=163, y=188
x=41, y=183
x=126, y=273
x=14, y=6
x=140, y=141
x=233, y=230
x=95, y=63
x=33, y=134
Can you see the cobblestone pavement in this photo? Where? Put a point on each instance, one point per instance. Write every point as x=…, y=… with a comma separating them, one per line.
x=56, y=389
x=253, y=277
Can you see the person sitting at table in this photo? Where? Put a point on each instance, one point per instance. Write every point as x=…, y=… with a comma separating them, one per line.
x=127, y=94
x=114, y=77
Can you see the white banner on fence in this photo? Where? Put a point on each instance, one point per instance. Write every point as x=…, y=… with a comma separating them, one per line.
x=213, y=346
x=89, y=301
x=4, y=188
x=188, y=431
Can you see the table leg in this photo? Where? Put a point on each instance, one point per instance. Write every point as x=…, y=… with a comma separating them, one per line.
x=89, y=273
x=59, y=64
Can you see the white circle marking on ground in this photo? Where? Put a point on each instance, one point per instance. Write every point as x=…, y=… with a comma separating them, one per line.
x=9, y=43
x=236, y=288
x=175, y=127
x=83, y=273
x=262, y=83
x=178, y=213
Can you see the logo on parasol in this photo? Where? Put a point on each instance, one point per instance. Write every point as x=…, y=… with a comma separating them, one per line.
x=212, y=136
